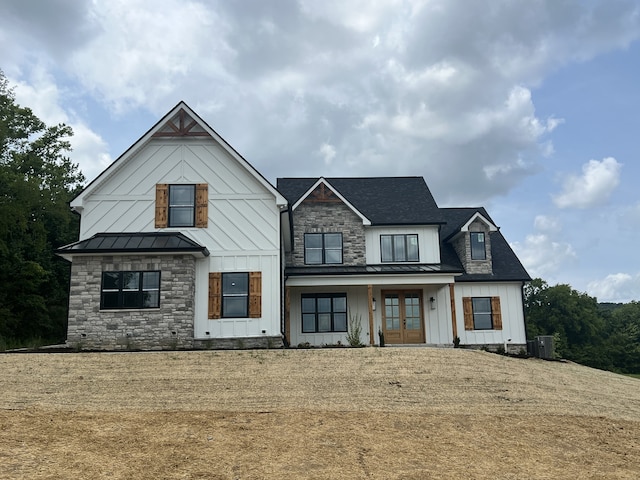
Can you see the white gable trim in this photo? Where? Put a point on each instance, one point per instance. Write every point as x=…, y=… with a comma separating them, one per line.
x=483, y=219
x=322, y=180
x=77, y=202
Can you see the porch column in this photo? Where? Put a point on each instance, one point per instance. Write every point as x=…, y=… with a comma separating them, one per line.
x=372, y=337
x=452, y=298
x=287, y=314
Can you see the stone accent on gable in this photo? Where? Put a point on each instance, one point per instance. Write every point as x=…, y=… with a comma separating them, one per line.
x=328, y=217
x=462, y=246
x=164, y=328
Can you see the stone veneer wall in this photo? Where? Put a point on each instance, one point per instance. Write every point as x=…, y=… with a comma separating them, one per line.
x=462, y=246
x=328, y=217
x=167, y=327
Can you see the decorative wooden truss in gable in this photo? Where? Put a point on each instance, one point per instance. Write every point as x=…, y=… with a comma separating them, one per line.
x=322, y=194
x=182, y=125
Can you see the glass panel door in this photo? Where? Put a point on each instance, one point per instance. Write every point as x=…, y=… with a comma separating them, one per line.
x=402, y=317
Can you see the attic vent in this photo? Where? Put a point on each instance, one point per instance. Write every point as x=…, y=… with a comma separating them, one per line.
x=181, y=125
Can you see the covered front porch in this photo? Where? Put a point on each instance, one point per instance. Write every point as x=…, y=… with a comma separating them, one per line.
x=403, y=309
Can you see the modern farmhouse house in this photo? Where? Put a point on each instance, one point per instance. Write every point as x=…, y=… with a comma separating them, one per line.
x=379, y=250
x=183, y=244
x=179, y=246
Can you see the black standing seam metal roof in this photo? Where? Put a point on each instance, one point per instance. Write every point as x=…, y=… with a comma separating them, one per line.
x=134, y=243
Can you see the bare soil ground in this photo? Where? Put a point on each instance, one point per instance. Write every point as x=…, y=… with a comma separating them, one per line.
x=371, y=413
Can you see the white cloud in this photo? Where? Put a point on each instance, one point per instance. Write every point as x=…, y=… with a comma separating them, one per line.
x=593, y=187
x=616, y=287
x=44, y=98
x=440, y=88
x=542, y=253
x=327, y=152
x=545, y=223
x=544, y=257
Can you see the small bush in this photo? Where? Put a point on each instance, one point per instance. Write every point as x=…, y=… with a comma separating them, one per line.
x=355, y=329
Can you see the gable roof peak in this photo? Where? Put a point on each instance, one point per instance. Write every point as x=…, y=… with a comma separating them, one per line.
x=181, y=121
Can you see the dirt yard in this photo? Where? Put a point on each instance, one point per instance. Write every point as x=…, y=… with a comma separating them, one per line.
x=371, y=413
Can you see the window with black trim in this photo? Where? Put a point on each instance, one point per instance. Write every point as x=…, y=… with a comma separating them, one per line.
x=322, y=248
x=324, y=312
x=478, y=250
x=182, y=205
x=399, y=248
x=235, y=295
x=130, y=290
x=482, y=314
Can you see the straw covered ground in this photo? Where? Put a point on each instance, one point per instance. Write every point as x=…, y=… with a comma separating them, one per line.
x=370, y=413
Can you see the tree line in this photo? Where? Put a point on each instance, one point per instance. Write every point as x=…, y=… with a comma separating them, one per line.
x=600, y=335
x=37, y=182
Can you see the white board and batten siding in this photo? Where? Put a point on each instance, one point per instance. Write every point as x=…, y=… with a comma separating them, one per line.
x=436, y=321
x=428, y=242
x=511, y=309
x=243, y=232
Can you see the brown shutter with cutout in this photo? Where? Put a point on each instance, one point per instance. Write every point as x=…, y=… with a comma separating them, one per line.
x=162, y=205
x=202, y=205
x=467, y=309
x=496, y=314
x=215, y=295
x=255, y=294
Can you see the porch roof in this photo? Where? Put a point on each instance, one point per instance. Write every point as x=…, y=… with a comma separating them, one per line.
x=381, y=269
x=133, y=243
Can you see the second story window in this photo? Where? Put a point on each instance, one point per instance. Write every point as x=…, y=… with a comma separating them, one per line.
x=182, y=205
x=478, y=251
x=322, y=248
x=399, y=248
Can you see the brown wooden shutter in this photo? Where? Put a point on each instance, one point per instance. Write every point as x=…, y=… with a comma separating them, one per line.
x=162, y=205
x=255, y=294
x=202, y=205
x=467, y=308
x=496, y=314
x=215, y=295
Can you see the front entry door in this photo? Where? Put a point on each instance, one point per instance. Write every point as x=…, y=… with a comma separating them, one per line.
x=402, y=317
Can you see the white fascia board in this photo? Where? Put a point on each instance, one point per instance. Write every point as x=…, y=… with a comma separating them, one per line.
x=377, y=280
x=118, y=163
x=483, y=219
x=365, y=220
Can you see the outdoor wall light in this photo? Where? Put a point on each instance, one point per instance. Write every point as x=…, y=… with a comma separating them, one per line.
x=373, y=304
x=432, y=301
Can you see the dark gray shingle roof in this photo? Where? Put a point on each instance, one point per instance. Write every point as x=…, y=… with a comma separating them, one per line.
x=383, y=200
x=408, y=201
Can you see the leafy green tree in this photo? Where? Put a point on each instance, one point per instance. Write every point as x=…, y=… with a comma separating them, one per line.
x=37, y=181
x=573, y=318
x=623, y=341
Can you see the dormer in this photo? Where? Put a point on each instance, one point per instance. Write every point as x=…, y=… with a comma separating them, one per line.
x=472, y=243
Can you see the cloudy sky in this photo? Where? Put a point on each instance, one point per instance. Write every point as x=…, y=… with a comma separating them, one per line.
x=527, y=107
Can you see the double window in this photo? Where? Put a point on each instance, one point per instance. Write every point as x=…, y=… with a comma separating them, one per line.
x=326, y=312
x=399, y=248
x=478, y=250
x=322, y=248
x=130, y=290
x=482, y=313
